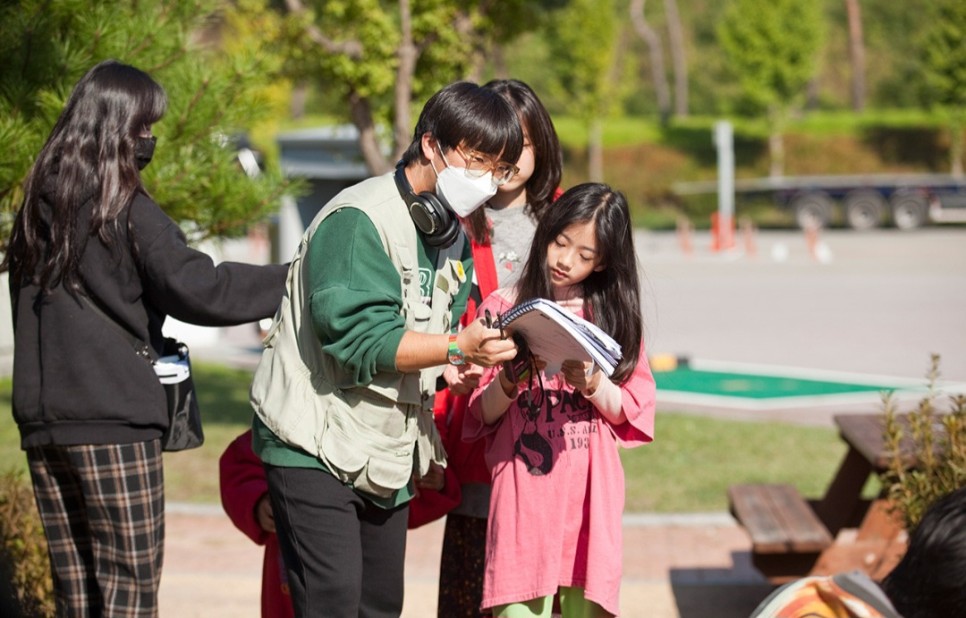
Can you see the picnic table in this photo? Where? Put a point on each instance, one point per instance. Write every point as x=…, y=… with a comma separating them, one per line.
x=793, y=537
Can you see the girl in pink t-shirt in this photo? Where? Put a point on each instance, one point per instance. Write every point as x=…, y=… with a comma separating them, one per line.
x=552, y=440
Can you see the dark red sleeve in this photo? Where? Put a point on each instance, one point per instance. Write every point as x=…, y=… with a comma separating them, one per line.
x=243, y=483
x=429, y=505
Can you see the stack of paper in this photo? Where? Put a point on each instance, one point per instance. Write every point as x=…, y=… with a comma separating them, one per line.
x=555, y=335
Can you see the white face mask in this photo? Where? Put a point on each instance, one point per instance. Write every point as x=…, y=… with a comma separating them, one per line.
x=463, y=193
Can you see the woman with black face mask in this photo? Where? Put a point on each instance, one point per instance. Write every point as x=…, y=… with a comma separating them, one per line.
x=90, y=411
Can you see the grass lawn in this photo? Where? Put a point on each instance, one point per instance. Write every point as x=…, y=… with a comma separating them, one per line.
x=190, y=476
x=694, y=459
x=686, y=469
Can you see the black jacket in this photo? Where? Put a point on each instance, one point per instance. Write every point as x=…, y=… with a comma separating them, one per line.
x=76, y=380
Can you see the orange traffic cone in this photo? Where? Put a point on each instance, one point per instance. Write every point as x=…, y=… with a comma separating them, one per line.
x=684, y=229
x=748, y=233
x=722, y=232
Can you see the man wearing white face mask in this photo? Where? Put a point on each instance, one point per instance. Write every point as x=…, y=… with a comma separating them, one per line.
x=468, y=187
x=343, y=394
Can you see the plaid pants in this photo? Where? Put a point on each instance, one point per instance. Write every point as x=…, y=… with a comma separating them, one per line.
x=102, y=508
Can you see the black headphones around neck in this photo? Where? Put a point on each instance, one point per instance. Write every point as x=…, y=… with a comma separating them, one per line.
x=430, y=213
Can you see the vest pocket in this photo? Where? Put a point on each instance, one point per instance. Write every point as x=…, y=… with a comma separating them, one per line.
x=388, y=474
x=421, y=317
x=368, y=459
x=340, y=446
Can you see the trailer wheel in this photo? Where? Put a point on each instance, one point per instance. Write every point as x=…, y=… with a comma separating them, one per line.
x=812, y=210
x=909, y=210
x=864, y=209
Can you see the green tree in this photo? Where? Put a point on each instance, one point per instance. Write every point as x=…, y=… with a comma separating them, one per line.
x=772, y=47
x=47, y=45
x=856, y=53
x=944, y=60
x=585, y=41
x=678, y=57
x=383, y=56
x=656, y=52
x=892, y=37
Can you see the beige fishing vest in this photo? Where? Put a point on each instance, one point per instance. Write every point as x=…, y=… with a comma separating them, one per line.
x=371, y=437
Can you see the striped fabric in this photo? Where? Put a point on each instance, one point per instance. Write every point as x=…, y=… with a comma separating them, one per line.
x=102, y=508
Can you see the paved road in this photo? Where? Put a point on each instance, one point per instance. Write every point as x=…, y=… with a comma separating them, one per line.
x=694, y=566
x=872, y=303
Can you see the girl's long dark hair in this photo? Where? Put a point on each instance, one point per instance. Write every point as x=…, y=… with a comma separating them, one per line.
x=89, y=156
x=612, y=298
x=547, y=154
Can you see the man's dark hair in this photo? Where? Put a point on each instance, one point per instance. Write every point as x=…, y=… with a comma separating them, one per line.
x=466, y=113
x=930, y=580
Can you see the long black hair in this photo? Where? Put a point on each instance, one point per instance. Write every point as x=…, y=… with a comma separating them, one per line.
x=612, y=297
x=89, y=157
x=547, y=154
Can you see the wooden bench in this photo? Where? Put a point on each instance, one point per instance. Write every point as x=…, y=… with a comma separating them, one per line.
x=786, y=535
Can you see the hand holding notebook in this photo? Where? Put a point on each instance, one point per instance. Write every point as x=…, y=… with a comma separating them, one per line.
x=555, y=335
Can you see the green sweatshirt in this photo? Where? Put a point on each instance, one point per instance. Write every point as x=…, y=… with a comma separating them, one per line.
x=355, y=305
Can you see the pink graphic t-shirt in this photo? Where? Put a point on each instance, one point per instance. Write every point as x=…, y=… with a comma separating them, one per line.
x=558, y=485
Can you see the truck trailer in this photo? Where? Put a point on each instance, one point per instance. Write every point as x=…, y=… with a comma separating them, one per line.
x=907, y=201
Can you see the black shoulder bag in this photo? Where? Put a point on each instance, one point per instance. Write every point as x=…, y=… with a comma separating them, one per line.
x=174, y=372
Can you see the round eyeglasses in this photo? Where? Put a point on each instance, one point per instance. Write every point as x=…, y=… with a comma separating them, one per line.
x=478, y=164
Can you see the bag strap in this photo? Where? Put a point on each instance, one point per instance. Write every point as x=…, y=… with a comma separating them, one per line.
x=140, y=348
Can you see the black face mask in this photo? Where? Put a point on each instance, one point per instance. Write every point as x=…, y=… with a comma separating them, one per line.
x=144, y=150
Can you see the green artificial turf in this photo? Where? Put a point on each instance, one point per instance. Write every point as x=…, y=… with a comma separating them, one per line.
x=735, y=384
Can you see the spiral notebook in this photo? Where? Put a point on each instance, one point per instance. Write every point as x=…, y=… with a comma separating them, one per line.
x=555, y=335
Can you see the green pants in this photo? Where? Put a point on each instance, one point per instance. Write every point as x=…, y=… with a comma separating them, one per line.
x=572, y=605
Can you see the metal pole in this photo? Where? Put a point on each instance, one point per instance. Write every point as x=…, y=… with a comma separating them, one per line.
x=723, y=139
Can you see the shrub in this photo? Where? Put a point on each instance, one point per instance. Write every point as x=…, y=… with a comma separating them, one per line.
x=936, y=440
x=24, y=563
